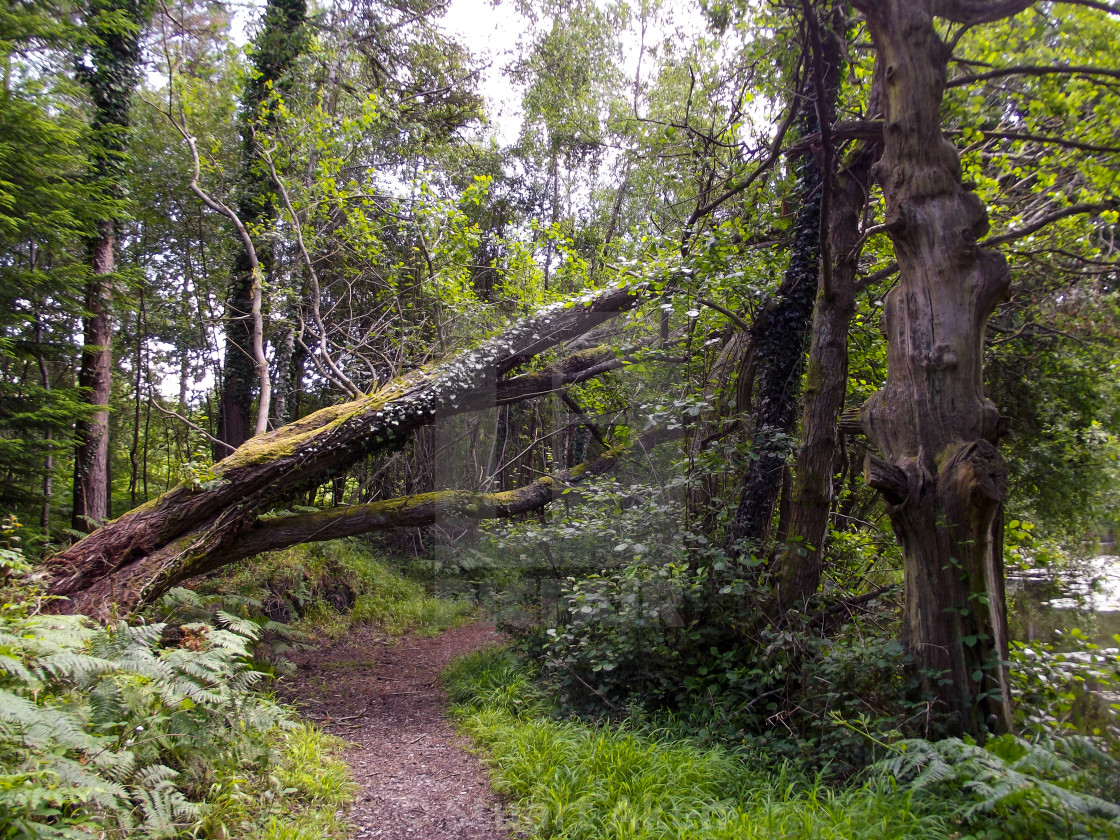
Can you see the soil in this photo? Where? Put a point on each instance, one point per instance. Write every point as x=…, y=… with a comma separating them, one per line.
x=417, y=779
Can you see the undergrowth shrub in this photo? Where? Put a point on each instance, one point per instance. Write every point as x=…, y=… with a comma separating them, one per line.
x=136, y=731
x=1011, y=788
x=324, y=588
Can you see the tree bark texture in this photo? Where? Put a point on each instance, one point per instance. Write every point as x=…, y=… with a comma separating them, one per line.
x=239, y=371
x=938, y=467
x=95, y=376
x=780, y=331
x=133, y=560
x=797, y=570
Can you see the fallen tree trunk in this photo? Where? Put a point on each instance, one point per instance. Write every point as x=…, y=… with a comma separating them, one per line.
x=417, y=510
x=130, y=561
x=148, y=579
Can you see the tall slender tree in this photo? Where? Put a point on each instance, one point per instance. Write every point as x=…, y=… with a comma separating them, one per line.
x=282, y=39
x=111, y=72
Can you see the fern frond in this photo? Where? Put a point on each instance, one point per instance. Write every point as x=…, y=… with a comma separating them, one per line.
x=241, y=626
x=15, y=669
x=73, y=667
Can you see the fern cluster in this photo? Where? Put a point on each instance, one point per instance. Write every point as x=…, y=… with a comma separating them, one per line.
x=118, y=730
x=1011, y=788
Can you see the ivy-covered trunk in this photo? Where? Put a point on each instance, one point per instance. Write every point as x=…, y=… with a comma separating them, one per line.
x=780, y=331
x=111, y=77
x=938, y=467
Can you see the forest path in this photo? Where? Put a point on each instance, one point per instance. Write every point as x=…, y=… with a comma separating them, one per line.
x=417, y=782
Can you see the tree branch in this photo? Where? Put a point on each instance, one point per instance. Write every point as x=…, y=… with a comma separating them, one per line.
x=1032, y=70
x=1010, y=236
x=1039, y=223
x=739, y=322
x=973, y=12
x=873, y=130
x=153, y=401
x=763, y=167
x=1092, y=4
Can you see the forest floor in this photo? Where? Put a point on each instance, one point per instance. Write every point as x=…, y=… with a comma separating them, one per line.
x=417, y=780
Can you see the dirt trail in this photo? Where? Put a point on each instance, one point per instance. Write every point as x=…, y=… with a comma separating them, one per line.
x=417, y=782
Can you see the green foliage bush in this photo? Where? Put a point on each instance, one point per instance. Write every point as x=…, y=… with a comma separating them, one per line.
x=1068, y=687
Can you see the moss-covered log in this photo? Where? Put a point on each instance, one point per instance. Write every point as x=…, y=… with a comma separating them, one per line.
x=147, y=579
x=275, y=532
x=192, y=523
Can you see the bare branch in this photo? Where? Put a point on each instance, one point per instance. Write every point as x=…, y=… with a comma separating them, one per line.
x=1043, y=221
x=336, y=373
x=167, y=411
x=972, y=12
x=1033, y=70
x=220, y=207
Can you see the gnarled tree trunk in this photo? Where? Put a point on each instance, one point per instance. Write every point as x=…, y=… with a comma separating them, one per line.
x=938, y=467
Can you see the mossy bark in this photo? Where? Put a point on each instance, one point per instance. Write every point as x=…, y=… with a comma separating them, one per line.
x=796, y=571
x=189, y=526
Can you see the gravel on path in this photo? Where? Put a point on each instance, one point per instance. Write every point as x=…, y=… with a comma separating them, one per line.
x=417, y=781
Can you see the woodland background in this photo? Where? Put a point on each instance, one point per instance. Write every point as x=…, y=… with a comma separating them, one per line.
x=718, y=351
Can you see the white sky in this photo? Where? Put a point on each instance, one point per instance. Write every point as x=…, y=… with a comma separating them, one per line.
x=492, y=31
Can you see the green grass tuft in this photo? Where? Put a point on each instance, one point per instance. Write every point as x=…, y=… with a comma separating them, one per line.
x=575, y=781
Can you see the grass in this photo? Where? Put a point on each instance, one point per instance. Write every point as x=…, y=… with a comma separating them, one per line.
x=307, y=576
x=295, y=797
x=576, y=781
